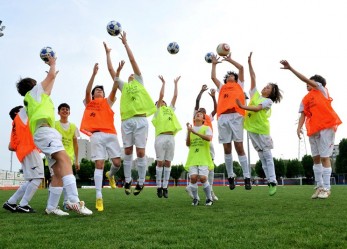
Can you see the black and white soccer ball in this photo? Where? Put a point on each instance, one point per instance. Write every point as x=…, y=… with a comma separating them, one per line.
x=208, y=57
x=45, y=52
x=173, y=48
x=114, y=28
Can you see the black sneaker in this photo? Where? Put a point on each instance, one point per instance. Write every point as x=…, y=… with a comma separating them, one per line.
x=25, y=209
x=248, y=185
x=138, y=189
x=10, y=207
x=127, y=188
x=165, y=193
x=160, y=192
x=195, y=202
x=208, y=202
x=231, y=181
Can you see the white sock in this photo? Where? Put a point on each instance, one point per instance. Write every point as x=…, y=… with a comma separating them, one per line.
x=98, y=175
x=113, y=170
x=159, y=173
x=18, y=194
x=53, y=197
x=326, y=177
x=207, y=189
x=127, y=163
x=228, y=158
x=30, y=191
x=211, y=178
x=270, y=165
x=244, y=165
x=167, y=171
x=141, y=169
x=69, y=183
x=318, y=174
x=194, y=188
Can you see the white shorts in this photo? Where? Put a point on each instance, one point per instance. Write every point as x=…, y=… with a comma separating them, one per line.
x=135, y=132
x=164, y=147
x=48, y=140
x=322, y=143
x=261, y=142
x=230, y=128
x=32, y=166
x=198, y=170
x=104, y=145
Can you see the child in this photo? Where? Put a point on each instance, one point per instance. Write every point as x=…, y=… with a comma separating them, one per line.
x=321, y=123
x=258, y=126
x=199, y=160
x=135, y=106
x=166, y=126
x=98, y=122
x=23, y=144
x=230, y=118
x=208, y=122
x=40, y=111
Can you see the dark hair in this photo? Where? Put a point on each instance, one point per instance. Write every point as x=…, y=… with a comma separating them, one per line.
x=203, y=114
x=98, y=86
x=231, y=73
x=25, y=85
x=202, y=110
x=275, y=94
x=162, y=102
x=14, y=111
x=63, y=105
x=318, y=78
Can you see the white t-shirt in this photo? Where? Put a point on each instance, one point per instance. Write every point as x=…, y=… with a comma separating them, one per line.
x=121, y=82
x=66, y=126
x=266, y=103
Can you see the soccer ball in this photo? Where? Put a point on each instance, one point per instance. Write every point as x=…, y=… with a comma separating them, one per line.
x=223, y=49
x=173, y=48
x=208, y=57
x=114, y=28
x=45, y=52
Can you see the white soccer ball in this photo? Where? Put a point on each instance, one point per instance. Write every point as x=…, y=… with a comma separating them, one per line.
x=114, y=28
x=208, y=57
x=223, y=49
x=173, y=48
x=45, y=52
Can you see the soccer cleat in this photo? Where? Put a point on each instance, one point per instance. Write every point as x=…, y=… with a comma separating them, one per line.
x=324, y=193
x=214, y=197
x=272, y=188
x=99, y=205
x=165, y=193
x=127, y=188
x=316, y=192
x=25, y=209
x=208, y=202
x=160, y=192
x=248, y=185
x=10, y=207
x=231, y=181
x=79, y=207
x=56, y=211
x=138, y=189
x=111, y=180
x=195, y=202
x=189, y=191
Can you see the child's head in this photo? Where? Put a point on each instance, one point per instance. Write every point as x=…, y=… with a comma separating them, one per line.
x=14, y=111
x=163, y=103
x=64, y=109
x=25, y=85
x=318, y=78
x=131, y=77
x=231, y=77
x=199, y=117
x=272, y=92
x=203, y=110
x=98, y=92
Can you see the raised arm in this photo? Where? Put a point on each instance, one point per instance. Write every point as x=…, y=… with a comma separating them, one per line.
x=286, y=65
x=48, y=82
x=212, y=93
x=174, y=98
x=109, y=61
x=251, y=71
x=89, y=87
x=162, y=90
x=197, y=101
x=237, y=65
x=131, y=57
x=213, y=71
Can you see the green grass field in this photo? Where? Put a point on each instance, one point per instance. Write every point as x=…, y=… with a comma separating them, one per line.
x=240, y=219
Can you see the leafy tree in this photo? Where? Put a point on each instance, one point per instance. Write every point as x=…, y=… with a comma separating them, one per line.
x=86, y=171
x=280, y=167
x=259, y=170
x=307, y=164
x=341, y=159
x=237, y=169
x=152, y=171
x=294, y=168
x=221, y=169
x=176, y=172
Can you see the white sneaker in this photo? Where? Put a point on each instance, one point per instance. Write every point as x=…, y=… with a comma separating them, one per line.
x=79, y=207
x=324, y=194
x=189, y=191
x=56, y=211
x=316, y=192
x=214, y=197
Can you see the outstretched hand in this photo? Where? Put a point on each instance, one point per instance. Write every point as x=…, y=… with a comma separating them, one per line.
x=215, y=59
x=250, y=57
x=285, y=64
x=96, y=68
x=120, y=65
x=123, y=37
x=227, y=58
x=177, y=79
x=212, y=92
x=204, y=88
x=107, y=49
x=161, y=78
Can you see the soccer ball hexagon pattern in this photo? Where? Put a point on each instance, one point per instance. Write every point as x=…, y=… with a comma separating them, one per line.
x=45, y=52
x=173, y=48
x=114, y=28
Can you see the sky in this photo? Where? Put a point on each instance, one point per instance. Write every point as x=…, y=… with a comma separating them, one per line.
x=309, y=34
